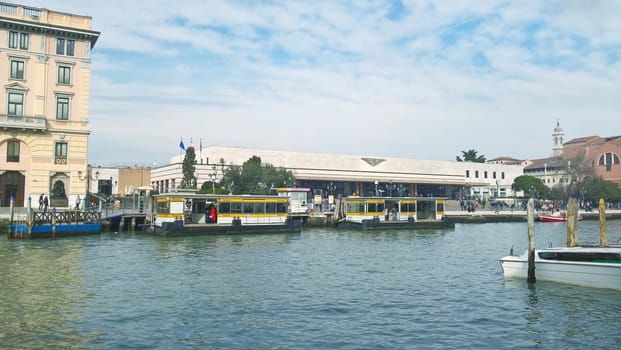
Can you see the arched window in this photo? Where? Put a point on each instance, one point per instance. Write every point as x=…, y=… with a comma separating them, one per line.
x=608, y=160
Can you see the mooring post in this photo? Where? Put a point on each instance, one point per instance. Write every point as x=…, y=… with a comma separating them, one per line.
x=603, y=235
x=531, y=241
x=53, y=222
x=11, y=232
x=572, y=223
x=29, y=220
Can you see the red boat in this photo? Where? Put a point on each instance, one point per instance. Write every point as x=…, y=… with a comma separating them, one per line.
x=556, y=217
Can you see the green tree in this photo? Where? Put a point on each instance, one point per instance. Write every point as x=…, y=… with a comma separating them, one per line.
x=531, y=185
x=255, y=177
x=212, y=187
x=597, y=188
x=189, y=169
x=471, y=156
x=557, y=193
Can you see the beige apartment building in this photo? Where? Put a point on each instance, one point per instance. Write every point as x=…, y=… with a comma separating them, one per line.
x=45, y=59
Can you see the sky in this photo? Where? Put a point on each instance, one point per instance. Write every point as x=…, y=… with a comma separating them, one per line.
x=411, y=79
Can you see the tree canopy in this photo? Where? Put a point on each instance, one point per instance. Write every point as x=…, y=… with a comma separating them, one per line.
x=471, y=156
x=255, y=177
x=598, y=188
x=531, y=185
x=189, y=169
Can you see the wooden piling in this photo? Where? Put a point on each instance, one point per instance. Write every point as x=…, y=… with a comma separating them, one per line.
x=572, y=223
x=531, y=241
x=11, y=212
x=29, y=222
x=603, y=235
x=54, y=223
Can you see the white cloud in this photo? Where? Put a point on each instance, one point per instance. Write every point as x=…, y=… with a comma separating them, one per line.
x=342, y=77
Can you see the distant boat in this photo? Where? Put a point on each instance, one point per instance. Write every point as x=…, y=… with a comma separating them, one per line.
x=556, y=217
x=598, y=267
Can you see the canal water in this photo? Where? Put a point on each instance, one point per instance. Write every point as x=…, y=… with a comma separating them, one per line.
x=319, y=289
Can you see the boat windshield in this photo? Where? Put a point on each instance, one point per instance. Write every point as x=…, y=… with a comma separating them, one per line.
x=582, y=256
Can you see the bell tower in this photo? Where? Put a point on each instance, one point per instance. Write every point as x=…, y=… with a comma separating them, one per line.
x=558, y=137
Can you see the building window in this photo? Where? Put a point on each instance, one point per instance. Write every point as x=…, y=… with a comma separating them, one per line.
x=64, y=75
x=467, y=173
x=60, y=46
x=485, y=174
x=12, y=151
x=65, y=47
x=16, y=104
x=18, y=40
x=60, y=153
x=13, y=39
x=494, y=175
x=70, y=47
x=17, y=69
x=608, y=160
x=62, y=108
x=502, y=175
x=476, y=174
x=23, y=41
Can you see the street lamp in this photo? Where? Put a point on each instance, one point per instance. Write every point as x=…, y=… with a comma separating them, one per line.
x=87, y=176
x=88, y=179
x=331, y=188
x=401, y=190
x=213, y=183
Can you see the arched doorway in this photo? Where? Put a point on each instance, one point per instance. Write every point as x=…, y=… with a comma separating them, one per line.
x=12, y=183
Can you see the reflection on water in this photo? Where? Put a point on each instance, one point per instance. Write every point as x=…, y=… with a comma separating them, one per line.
x=42, y=293
x=319, y=289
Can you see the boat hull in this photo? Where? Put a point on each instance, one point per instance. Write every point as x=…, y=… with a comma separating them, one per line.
x=387, y=225
x=47, y=231
x=178, y=228
x=588, y=274
x=550, y=218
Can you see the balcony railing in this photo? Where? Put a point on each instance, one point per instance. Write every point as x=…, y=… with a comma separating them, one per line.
x=22, y=122
x=12, y=9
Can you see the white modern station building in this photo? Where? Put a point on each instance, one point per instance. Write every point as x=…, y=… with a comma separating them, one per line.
x=342, y=174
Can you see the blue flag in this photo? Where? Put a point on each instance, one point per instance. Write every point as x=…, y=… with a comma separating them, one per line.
x=181, y=145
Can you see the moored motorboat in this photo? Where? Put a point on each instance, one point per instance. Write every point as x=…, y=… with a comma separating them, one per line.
x=555, y=217
x=590, y=266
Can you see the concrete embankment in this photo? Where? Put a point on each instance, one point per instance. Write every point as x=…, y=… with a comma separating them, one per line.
x=463, y=217
x=485, y=216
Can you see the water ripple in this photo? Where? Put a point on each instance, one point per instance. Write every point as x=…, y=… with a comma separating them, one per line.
x=321, y=289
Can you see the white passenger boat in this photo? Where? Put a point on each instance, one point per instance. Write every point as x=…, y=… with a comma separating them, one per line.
x=598, y=267
x=182, y=213
x=377, y=213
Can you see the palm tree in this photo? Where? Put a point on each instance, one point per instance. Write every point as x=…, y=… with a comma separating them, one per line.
x=471, y=156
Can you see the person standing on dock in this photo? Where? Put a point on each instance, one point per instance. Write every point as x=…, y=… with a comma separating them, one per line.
x=77, y=203
x=46, y=202
x=41, y=202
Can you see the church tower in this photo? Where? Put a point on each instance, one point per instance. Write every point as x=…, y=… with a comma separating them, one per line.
x=558, y=137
